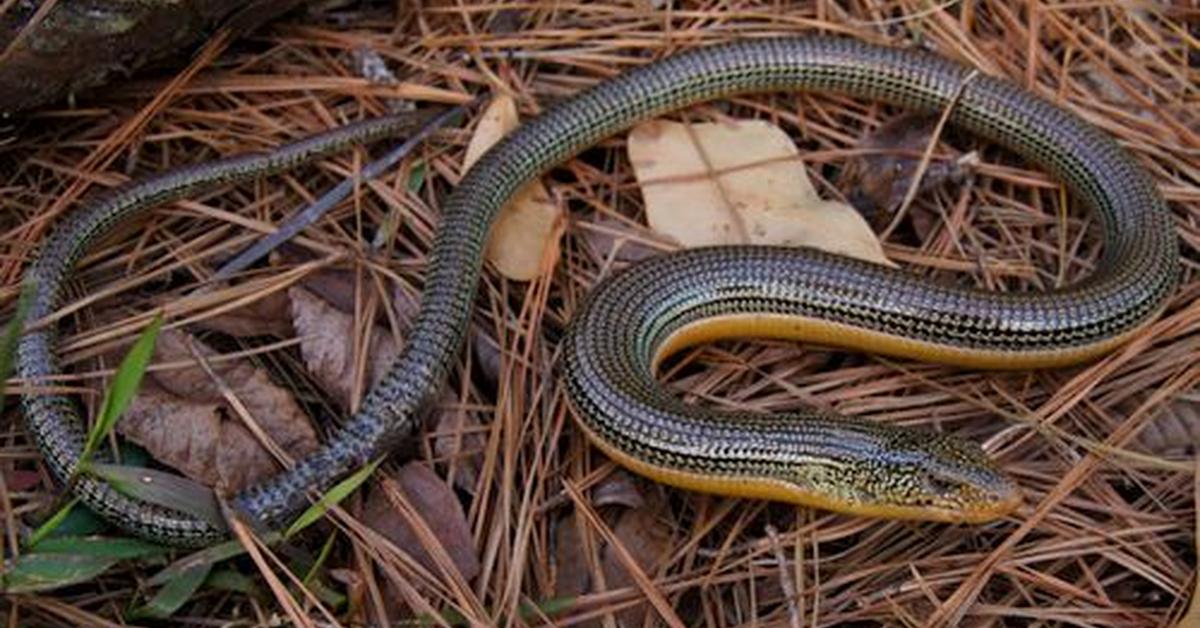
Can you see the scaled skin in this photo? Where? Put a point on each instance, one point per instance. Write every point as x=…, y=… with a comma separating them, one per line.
x=979, y=505
x=815, y=330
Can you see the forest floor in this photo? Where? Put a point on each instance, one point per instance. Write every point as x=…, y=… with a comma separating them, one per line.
x=503, y=513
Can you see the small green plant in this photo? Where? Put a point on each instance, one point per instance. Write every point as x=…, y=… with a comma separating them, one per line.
x=124, y=387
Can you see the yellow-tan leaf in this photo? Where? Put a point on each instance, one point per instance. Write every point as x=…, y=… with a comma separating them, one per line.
x=522, y=242
x=739, y=183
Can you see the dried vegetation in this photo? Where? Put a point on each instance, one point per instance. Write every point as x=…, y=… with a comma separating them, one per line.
x=510, y=517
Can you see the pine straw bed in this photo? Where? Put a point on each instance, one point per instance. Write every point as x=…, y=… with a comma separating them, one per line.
x=1106, y=537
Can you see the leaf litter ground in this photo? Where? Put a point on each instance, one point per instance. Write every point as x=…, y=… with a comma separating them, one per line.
x=553, y=532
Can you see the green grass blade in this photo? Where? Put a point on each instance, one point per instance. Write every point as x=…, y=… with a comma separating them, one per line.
x=34, y=572
x=50, y=525
x=328, y=596
x=207, y=556
x=124, y=386
x=319, y=563
x=12, y=333
x=226, y=579
x=548, y=608
x=109, y=547
x=335, y=495
x=174, y=594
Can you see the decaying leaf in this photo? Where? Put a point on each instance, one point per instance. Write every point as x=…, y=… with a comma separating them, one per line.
x=1176, y=429
x=459, y=440
x=525, y=232
x=619, y=489
x=642, y=530
x=354, y=585
x=739, y=183
x=435, y=502
x=181, y=417
x=647, y=537
x=267, y=316
x=327, y=344
x=19, y=480
x=572, y=571
x=613, y=238
x=487, y=355
x=877, y=181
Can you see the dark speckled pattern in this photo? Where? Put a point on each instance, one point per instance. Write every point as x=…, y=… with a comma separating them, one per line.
x=606, y=364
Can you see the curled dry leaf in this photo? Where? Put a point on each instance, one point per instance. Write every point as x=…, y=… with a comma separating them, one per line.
x=618, y=489
x=877, y=181
x=183, y=420
x=525, y=233
x=437, y=505
x=739, y=183
x=327, y=344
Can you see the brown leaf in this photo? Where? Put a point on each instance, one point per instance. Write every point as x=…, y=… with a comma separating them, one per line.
x=739, y=183
x=618, y=489
x=525, y=234
x=20, y=480
x=643, y=531
x=616, y=239
x=877, y=182
x=487, y=355
x=645, y=534
x=572, y=574
x=355, y=586
x=459, y=442
x=437, y=505
x=327, y=341
x=1176, y=430
x=335, y=286
x=183, y=420
x=267, y=316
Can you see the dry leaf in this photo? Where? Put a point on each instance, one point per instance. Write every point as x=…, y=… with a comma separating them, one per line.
x=182, y=419
x=642, y=530
x=506, y=21
x=459, y=440
x=21, y=480
x=354, y=585
x=1176, y=430
x=877, y=182
x=437, y=505
x=618, y=489
x=267, y=316
x=572, y=574
x=739, y=183
x=335, y=286
x=645, y=534
x=607, y=237
x=487, y=355
x=525, y=233
x=327, y=341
